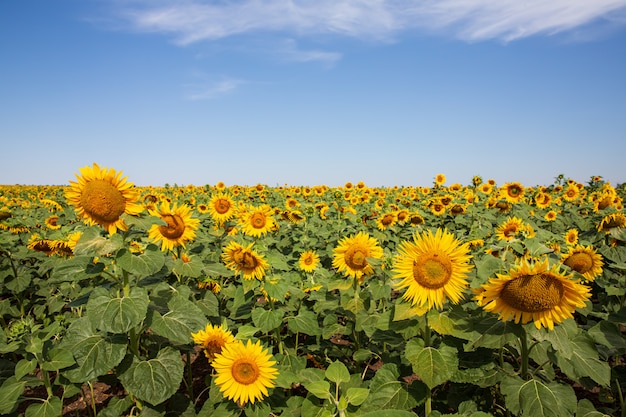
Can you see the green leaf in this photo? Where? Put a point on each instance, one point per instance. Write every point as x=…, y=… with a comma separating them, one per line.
x=585, y=361
x=434, y=366
x=337, y=372
x=276, y=287
x=52, y=407
x=356, y=396
x=92, y=243
x=586, y=409
x=608, y=334
x=72, y=269
x=386, y=392
x=116, y=407
x=95, y=354
x=117, y=314
x=192, y=269
x=305, y=322
x=535, y=399
x=321, y=389
x=177, y=324
x=154, y=380
x=389, y=413
x=490, y=332
x=143, y=265
x=24, y=367
x=58, y=358
x=267, y=320
x=10, y=392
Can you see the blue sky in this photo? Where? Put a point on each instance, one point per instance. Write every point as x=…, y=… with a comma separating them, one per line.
x=313, y=92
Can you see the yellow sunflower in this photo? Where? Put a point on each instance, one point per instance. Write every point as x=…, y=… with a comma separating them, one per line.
x=243, y=259
x=432, y=268
x=533, y=292
x=101, y=196
x=351, y=253
x=585, y=261
x=386, y=220
x=571, y=237
x=37, y=243
x=213, y=339
x=550, y=216
x=510, y=229
x=245, y=372
x=611, y=221
x=543, y=200
x=257, y=221
x=440, y=179
x=180, y=227
x=52, y=222
x=512, y=192
x=309, y=260
x=221, y=208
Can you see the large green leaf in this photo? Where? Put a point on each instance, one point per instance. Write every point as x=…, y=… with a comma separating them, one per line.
x=52, y=407
x=267, y=320
x=148, y=263
x=117, y=314
x=305, y=322
x=337, y=372
x=73, y=269
x=535, y=399
x=10, y=392
x=387, y=392
x=91, y=242
x=434, y=366
x=490, y=332
x=95, y=353
x=154, y=380
x=58, y=358
x=177, y=324
x=585, y=361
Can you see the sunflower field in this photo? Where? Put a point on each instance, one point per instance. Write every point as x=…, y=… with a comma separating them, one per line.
x=437, y=300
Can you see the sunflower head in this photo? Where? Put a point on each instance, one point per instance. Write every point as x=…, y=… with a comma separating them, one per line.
x=179, y=227
x=309, y=260
x=101, y=195
x=350, y=256
x=585, y=261
x=244, y=372
x=533, y=292
x=213, y=339
x=433, y=268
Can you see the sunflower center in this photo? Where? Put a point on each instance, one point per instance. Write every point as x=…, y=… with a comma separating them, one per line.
x=387, y=220
x=175, y=226
x=245, y=372
x=432, y=271
x=258, y=220
x=248, y=261
x=102, y=201
x=222, y=206
x=213, y=347
x=355, y=257
x=307, y=260
x=579, y=262
x=533, y=293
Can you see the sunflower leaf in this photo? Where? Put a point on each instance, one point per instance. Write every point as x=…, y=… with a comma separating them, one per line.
x=177, y=324
x=143, y=265
x=585, y=362
x=534, y=398
x=51, y=407
x=337, y=372
x=434, y=366
x=117, y=314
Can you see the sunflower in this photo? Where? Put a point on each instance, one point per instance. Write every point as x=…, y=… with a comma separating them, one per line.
x=101, y=196
x=257, y=221
x=432, y=268
x=611, y=221
x=351, y=253
x=510, y=229
x=180, y=227
x=440, y=179
x=550, y=216
x=213, y=339
x=512, y=192
x=309, y=260
x=221, y=208
x=244, y=372
x=241, y=258
x=571, y=237
x=543, y=200
x=585, y=261
x=416, y=219
x=52, y=222
x=37, y=243
x=533, y=292
x=386, y=220
x=571, y=194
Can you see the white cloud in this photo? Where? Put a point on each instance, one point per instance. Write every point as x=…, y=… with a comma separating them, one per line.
x=206, y=89
x=191, y=21
x=290, y=51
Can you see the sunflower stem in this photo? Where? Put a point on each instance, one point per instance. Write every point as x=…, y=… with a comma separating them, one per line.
x=279, y=340
x=428, y=403
x=524, y=353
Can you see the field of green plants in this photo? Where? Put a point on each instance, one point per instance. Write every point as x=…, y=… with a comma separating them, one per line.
x=464, y=300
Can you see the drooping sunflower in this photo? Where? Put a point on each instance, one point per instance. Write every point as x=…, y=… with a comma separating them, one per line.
x=245, y=372
x=433, y=268
x=52, y=222
x=351, y=253
x=243, y=259
x=611, y=221
x=533, y=292
x=37, y=243
x=213, y=339
x=309, y=260
x=180, y=228
x=221, y=207
x=584, y=260
x=101, y=196
x=257, y=221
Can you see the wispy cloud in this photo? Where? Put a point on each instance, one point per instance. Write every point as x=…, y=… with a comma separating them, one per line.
x=206, y=88
x=290, y=51
x=190, y=21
